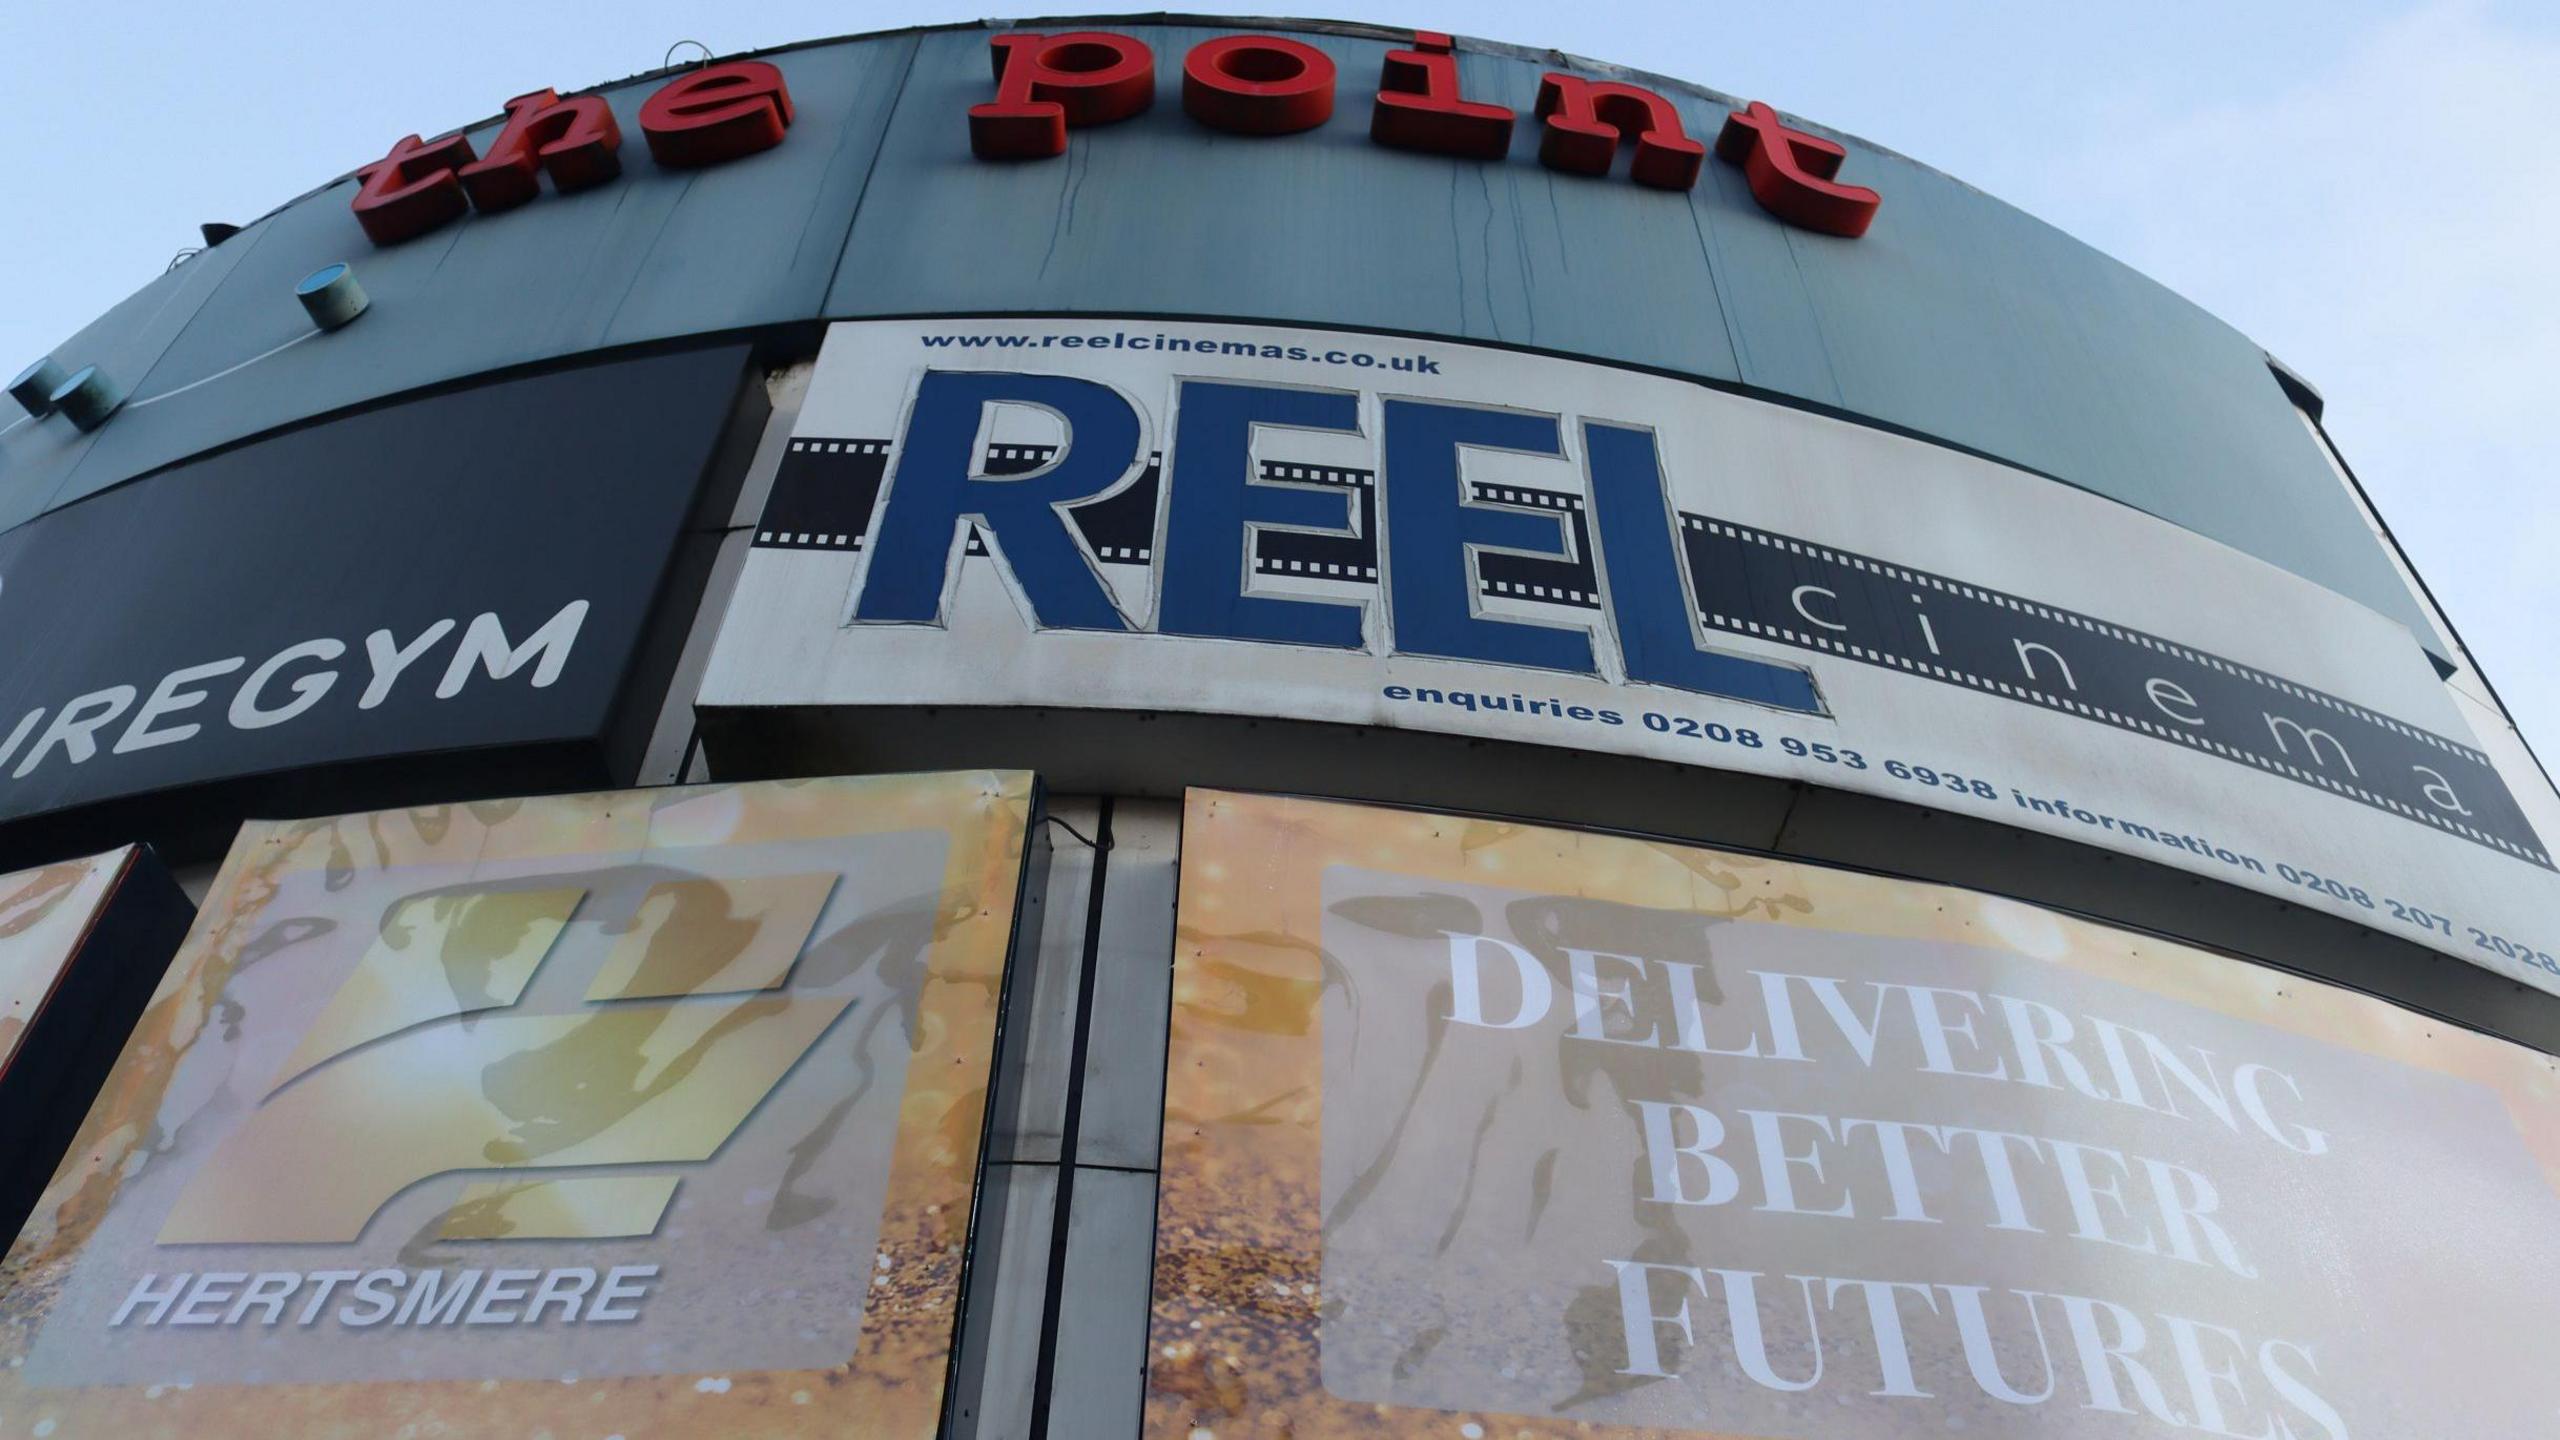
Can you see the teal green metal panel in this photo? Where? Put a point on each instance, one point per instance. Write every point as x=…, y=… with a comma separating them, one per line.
x=126, y=342
x=1776, y=333
x=1159, y=214
x=1955, y=318
x=1963, y=319
x=655, y=254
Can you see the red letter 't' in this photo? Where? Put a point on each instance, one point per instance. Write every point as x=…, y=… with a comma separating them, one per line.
x=575, y=140
x=1046, y=83
x=1418, y=106
x=717, y=114
x=1790, y=173
x=412, y=190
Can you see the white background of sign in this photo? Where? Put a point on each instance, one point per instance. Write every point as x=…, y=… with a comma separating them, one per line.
x=1921, y=505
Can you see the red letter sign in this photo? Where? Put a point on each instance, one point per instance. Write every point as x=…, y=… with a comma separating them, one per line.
x=575, y=140
x=412, y=190
x=717, y=114
x=1585, y=119
x=1257, y=85
x=1418, y=106
x=1790, y=173
x=1045, y=83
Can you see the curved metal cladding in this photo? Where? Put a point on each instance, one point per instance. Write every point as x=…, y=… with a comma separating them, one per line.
x=1896, y=577
x=1964, y=523
x=1955, y=317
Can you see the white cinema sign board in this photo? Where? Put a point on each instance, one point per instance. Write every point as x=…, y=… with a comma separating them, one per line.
x=1250, y=520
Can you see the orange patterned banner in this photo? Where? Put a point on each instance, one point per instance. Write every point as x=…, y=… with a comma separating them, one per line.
x=643, y=1113
x=1476, y=1129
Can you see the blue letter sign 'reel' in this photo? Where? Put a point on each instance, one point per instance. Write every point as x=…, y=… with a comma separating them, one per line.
x=1220, y=502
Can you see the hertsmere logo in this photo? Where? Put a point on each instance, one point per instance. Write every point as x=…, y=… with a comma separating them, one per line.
x=425, y=1062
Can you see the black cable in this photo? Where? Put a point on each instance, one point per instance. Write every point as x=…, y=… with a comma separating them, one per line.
x=1089, y=843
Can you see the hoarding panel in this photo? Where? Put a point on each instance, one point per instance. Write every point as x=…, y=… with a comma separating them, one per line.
x=467, y=571
x=654, y=1112
x=1383, y=531
x=1490, y=1129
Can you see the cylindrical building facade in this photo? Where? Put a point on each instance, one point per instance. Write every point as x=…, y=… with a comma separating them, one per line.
x=1115, y=728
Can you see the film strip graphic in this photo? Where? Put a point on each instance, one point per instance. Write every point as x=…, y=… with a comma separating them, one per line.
x=1354, y=557
x=824, y=492
x=823, y=496
x=1794, y=592
x=1775, y=588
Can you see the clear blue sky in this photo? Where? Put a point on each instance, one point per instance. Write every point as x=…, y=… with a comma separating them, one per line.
x=2365, y=188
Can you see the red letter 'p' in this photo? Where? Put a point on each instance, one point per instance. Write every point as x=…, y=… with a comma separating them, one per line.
x=1586, y=118
x=716, y=114
x=1046, y=83
x=575, y=140
x=1790, y=173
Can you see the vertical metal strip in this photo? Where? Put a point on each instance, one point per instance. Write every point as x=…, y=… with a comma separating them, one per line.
x=1054, y=1308
x=1097, y=1385
x=1012, y=1234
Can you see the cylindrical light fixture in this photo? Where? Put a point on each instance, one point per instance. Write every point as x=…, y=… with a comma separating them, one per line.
x=87, y=398
x=331, y=295
x=35, y=385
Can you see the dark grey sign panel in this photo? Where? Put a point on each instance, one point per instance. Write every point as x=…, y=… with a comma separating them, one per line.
x=472, y=574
